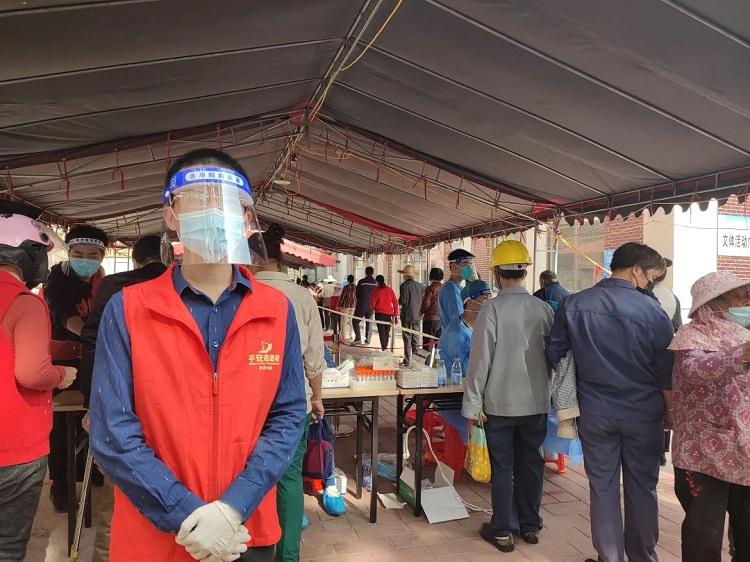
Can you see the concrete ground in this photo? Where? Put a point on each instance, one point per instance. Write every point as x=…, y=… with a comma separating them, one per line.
x=400, y=537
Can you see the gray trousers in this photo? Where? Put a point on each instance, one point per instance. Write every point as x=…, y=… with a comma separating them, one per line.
x=20, y=489
x=633, y=448
x=411, y=341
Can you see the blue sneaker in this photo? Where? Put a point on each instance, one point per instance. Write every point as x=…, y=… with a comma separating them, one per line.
x=305, y=522
x=333, y=503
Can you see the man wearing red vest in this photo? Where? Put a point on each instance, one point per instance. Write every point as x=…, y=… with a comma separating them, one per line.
x=198, y=398
x=26, y=378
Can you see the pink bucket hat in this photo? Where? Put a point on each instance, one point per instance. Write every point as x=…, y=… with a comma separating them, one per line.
x=713, y=285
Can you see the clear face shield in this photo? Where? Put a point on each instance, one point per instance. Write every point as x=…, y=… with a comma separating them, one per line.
x=209, y=209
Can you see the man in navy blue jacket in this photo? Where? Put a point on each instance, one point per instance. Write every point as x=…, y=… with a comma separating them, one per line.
x=619, y=340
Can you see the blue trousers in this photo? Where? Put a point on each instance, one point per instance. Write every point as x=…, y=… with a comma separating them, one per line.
x=633, y=448
x=517, y=472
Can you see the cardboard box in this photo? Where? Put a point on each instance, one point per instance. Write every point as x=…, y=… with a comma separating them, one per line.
x=419, y=377
x=440, y=501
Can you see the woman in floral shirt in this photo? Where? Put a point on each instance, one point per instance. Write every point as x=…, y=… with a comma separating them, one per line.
x=711, y=415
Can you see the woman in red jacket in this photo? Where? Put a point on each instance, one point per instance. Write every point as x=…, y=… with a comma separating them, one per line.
x=385, y=305
x=27, y=378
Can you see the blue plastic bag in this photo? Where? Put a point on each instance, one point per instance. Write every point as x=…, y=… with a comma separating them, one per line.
x=318, y=461
x=571, y=448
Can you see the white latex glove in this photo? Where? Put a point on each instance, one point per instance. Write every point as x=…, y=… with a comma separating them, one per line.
x=212, y=529
x=237, y=546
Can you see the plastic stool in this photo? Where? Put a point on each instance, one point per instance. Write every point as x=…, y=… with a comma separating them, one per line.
x=430, y=422
x=454, y=451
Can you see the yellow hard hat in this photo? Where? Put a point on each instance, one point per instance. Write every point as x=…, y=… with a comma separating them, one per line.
x=510, y=253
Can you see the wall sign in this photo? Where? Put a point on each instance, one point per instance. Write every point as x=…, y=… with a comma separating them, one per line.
x=733, y=236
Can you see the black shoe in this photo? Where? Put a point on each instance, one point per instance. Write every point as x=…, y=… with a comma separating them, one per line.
x=531, y=538
x=663, y=460
x=404, y=363
x=503, y=543
x=59, y=495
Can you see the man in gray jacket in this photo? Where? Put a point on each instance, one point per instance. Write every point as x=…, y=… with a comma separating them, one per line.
x=507, y=387
x=410, y=299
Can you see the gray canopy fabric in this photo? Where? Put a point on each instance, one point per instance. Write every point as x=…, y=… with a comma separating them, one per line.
x=464, y=117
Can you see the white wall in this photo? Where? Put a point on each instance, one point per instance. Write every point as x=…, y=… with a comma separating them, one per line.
x=694, y=249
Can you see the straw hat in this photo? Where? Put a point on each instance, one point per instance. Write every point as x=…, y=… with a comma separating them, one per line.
x=713, y=285
x=408, y=271
x=329, y=279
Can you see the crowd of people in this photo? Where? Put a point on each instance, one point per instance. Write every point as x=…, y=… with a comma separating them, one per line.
x=201, y=380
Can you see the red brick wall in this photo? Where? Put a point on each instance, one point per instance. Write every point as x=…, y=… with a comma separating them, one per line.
x=618, y=231
x=740, y=266
x=482, y=250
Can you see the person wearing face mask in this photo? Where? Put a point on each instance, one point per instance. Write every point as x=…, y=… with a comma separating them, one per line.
x=462, y=269
x=28, y=377
x=455, y=339
x=198, y=396
x=619, y=343
x=711, y=447
x=70, y=292
x=507, y=387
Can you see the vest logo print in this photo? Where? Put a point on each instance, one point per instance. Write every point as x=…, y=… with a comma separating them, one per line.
x=264, y=359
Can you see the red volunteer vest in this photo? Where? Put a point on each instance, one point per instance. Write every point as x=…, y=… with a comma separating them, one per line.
x=25, y=414
x=202, y=425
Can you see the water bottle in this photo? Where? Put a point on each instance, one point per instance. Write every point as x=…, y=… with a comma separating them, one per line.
x=367, y=475
x=456, y=373
x=442, y=375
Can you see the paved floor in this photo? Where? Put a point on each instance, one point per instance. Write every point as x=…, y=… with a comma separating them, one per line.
x=400, y=537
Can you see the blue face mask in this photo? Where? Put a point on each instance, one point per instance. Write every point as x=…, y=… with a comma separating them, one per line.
x=468, y=273
x=83, y=267
x=739, y=315
x=215, y=236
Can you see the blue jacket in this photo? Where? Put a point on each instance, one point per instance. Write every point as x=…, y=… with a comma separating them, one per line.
x=455, y=342
x=619, y=339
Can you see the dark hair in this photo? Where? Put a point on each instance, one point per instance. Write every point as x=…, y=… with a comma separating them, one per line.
x=272, y=238
x=204, y=156
x=548, y=276
x=663, y=276
x=147, y=248
x=380, y=281
x=511, y=273
x=369, y=270
x=350, y=278
x=632, y=254
x=436, y=274
x=87, y=231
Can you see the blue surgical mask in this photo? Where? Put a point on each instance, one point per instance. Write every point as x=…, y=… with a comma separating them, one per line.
x=739, y=315
x=468, y=273
x=215, y=236
x=84, y=267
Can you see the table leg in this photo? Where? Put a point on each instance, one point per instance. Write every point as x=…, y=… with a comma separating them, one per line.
x=399, y=437
x=70, y=444
x=417, y=461
x=374, y=456
x=359, y=470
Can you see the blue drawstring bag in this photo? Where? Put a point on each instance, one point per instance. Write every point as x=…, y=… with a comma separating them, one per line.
x=318, y=462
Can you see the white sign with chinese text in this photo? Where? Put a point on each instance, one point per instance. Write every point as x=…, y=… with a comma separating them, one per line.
x=733, y=235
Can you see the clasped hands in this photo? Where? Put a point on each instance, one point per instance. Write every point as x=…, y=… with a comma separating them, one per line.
x=214, y=533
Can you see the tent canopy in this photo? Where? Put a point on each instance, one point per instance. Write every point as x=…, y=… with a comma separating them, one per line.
x=464, y=117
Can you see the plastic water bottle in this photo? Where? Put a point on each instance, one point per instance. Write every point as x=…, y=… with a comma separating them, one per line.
x=456, y=373
x=367, y=475
x=442, y=375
